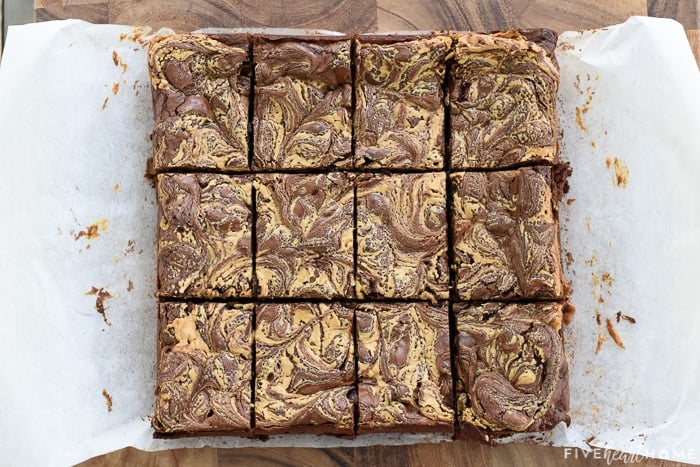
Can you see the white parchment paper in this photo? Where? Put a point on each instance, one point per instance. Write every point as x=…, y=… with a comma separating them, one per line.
x=78, y=229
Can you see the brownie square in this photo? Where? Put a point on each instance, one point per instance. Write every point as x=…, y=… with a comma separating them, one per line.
x=503, y=93
x=304, y=235
x=512, y=373
x=506, y=237
x=303, y=104
x=305, y=369
x=403, y=368
x=204, y=236
x=204, y=368
x=201, y=88
x=399, y=114
x=402, y=236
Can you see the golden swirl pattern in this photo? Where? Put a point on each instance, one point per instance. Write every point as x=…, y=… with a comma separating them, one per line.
x=512, y=373
x=204, y=368
x=303, y=100
x=399, y=116
x=201, y=89
x=503, y=91
x=204, y=236
x=305, y=369
x=403, y=368
x=506, y=242
x=304, y=235
x=402, y=236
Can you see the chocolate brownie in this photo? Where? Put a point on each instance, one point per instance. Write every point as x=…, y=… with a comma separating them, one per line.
x=503, y=93
x=512, y=374
x=204, y=368
x=305, y=369
x=204, y=236
x=506, y=236
x=201, y=88
x=303, y=104
x=403, y=368
x=402, y=236
x=399, y=114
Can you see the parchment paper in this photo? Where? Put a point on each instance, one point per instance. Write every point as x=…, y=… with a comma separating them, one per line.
x=78, y=237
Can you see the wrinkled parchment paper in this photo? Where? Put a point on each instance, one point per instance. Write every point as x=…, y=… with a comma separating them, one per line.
x=77, y=245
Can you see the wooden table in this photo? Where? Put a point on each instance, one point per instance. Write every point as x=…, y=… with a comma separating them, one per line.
x=362, y=16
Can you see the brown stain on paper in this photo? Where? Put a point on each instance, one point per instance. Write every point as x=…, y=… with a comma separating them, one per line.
x=93, y=230
x=101, y=295
x=621, y=174
x=108, y=399
x=613, y=333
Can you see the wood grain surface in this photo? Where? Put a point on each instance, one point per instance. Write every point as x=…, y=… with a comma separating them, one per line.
x=362, y=16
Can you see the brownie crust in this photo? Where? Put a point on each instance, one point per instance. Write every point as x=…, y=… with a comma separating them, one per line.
x=512, y=373
x=204, y=368
x=304, y=235
x=399, y=115
x=204, y=236
x=305, y=369
x=201, y=90
x=303, y=104
x=506, y=236
x=404, y=375
x=402, y=236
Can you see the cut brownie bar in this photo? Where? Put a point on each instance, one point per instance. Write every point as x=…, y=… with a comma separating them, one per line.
x=201, y=88
x=503, y=92
x=506, y=238
x=204, y=368
x=305, y=369
x=303, y=104
x=403, y=368
x=512, y=374
x=402, y=236
x=399, y=115
x=204, y=236
x=304, y=235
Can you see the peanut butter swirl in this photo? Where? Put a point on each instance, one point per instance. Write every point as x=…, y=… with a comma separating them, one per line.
x=399, y=115
x=204, y=236
x=503, y=91
x=512, y=374
x=506, y=238
x=403, y=362
x=305, y=368
x=204, y=368
x=201, y=89
x=304, y=235
x=402, y=236
x=303, y=100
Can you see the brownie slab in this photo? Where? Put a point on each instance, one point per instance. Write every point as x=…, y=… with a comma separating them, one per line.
x=512, y=374
x=201, y=88
x=304, y=235
x=303, y=104
x=503, y=93
x=402, y=236
x=204, y=236
x=204, y=368
x=506, y=237
x=399, y=115
x=305, y=369
x=403, y=368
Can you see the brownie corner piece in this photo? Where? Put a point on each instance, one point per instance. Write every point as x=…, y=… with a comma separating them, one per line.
x=201, y=89
x=204, y=374
x=506, y=235
x=204, y=235
x=305, y=235
x=305, y=368
x=399, y=115
x=402, y=236
x=404, y=369
x=512, y=375
x=303, y=104
x=503, y=94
